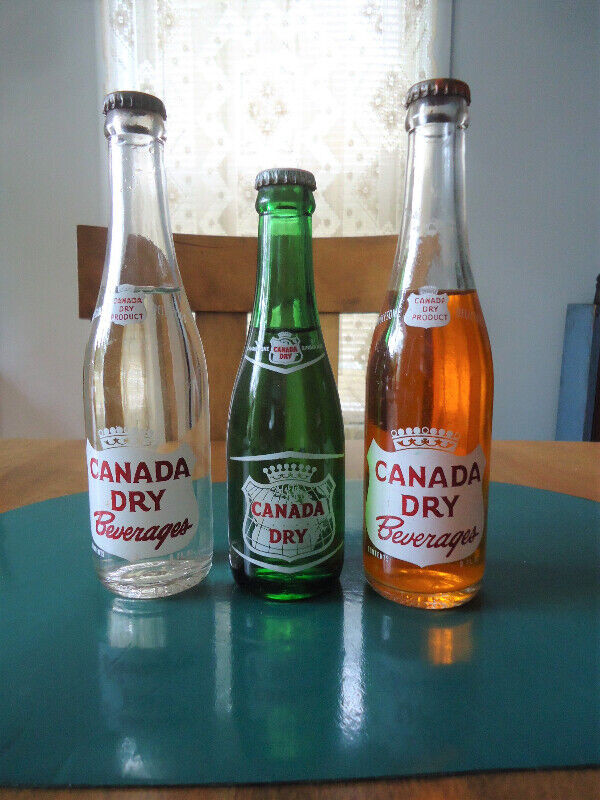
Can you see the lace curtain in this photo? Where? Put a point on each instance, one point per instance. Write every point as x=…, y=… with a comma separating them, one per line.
x=250, y=84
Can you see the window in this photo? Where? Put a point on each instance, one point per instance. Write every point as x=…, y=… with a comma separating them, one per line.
x=250, y=84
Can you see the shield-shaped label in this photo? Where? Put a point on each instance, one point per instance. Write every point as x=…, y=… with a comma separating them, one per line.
x=285, y=349
x=128, y=305
x=427, y=308
x=425, y=505
x=289, y=518
x=142, y=500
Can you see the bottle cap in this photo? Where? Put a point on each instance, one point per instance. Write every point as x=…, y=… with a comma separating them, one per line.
x=281, y=176
x=435, y=87
x=134, y=101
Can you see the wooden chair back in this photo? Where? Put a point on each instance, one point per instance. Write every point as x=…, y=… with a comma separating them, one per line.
x=219, y=273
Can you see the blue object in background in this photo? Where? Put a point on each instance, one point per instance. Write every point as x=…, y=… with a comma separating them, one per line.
x=578, y=414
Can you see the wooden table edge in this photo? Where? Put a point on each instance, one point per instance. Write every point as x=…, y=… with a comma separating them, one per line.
x=37, y=470
x=33, y=470
x=576, y=783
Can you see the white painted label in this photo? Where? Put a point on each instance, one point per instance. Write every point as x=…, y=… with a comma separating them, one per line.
x=424, y=505
x=285, y=352
x=427, y=308
x=290, y=517
x=128, y=306
x=285, y=348
x=142, y=502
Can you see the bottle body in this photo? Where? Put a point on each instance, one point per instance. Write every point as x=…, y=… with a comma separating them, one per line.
x=145, y=390
x=437, y=393
x=285, y=440
x=429, y=391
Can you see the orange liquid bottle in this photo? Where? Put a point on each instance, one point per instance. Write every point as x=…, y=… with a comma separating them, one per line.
x=429, y=381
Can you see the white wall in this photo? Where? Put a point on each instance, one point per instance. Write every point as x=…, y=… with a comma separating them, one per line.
x=52, y=166
x=532, y=195
x=532, y=187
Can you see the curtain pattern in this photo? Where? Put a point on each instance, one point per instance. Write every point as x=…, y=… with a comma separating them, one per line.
x=251, y=84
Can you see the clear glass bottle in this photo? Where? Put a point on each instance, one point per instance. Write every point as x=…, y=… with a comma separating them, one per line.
x=145, y=380
x=429, y=380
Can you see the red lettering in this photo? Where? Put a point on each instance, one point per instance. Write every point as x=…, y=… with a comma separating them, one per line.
x=437, y=478
x=136, y=499
x=93, y=461
x=116, y=496
x=454, y=541
x=105, y=473
x=474, y=534
x=156, y=498
x=413, y=477
x=396, y=475
x=181, y=469
x=102, y=520
x=148, y=534
x=451, y=504
x=474, y=474
x=123, y=473
x=458, y=468
x=162, y=534
x=377, y=475
x=142, y=473
x=388, y=523
x=274, y=536
x=431, y=504
x=153, y=533
x=164, y=470
x=415, y=505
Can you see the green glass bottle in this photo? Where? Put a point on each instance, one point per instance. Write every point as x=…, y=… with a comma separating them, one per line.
x=285, y=437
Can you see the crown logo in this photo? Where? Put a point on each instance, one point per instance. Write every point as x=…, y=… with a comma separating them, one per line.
x=118, y=436
x=425, y=439
x=289, y=473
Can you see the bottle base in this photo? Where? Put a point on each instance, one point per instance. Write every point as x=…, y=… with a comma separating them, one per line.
x=151, y=579
x=430, y=600
x=299, y=587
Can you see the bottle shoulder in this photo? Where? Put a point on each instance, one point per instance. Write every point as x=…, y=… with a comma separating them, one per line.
x=163, y=344
x=272, y=411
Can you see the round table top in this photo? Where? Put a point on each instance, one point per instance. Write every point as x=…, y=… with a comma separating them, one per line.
x=35, y=470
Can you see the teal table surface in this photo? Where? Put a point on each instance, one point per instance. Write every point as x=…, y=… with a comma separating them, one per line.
x=219, y=686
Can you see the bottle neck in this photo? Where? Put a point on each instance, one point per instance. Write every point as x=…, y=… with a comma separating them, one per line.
x=285, y=292
x=433, y=248
x=140, y=249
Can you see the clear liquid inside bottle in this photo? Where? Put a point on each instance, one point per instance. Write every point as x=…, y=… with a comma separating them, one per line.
x=145, y=390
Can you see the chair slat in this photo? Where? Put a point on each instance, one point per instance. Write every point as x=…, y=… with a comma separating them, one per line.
x=218, y=272
x=223, y=337
x=219, y=275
